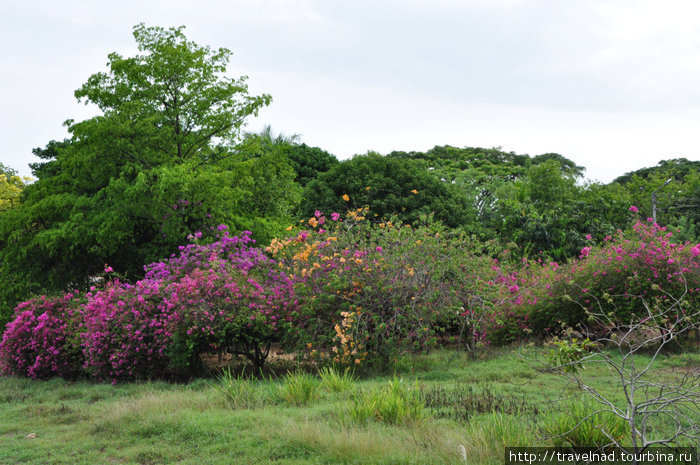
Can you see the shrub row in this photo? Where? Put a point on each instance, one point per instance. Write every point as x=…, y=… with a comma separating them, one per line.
x=343, y=290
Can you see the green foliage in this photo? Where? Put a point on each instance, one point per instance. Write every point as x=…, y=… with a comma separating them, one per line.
x=677, y=202
x=566, y=354
x=11, y=187
x=157, y=164
x=547, y=211
x=534, y=203
x=299, y=388
x=389, y=186
x=582, y=424
x=309, y=162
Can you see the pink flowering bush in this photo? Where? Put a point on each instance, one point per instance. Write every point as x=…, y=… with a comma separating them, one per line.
x=127, y=331
x=516, y=290
x=42, y=341
x=231, y=307
x=618, y=278
x=224, y=296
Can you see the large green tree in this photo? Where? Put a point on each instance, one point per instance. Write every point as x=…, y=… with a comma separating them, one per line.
x=158, y=163
x=548, y=211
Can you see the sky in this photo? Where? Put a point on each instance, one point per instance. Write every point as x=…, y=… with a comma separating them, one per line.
x=614, y=85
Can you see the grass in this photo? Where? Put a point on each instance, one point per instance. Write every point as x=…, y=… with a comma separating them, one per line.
x=420, y=415
x=336, y=381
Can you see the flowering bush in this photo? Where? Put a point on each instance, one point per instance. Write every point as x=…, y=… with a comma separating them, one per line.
x=225, y=296
x=344, y=289
x=127, y=331
x=628, y=271
x=371, y=290
x=232, y=307
x=42, y=341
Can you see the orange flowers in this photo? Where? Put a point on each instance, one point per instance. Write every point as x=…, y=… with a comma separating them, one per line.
x=346, y=197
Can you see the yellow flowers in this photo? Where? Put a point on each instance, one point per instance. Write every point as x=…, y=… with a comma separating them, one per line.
x=313, y=222
x=367, y=188
x=348, y=350
x=414, y=191
x=288, y=228
x=346, y=197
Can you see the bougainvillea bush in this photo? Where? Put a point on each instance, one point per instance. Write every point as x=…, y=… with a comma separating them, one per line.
x=629, y=273
x=42, y=341
x=225, y=296
x=128, y=331
x=221, y=297
x=238, y=307
x=370, y=290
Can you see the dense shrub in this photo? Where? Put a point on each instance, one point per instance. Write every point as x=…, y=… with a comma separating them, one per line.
x=128, y=331
x=237, y=308
x=224, y=296
x=42, y=341
x=621, y=278
x=370, y=290
x=345, y=290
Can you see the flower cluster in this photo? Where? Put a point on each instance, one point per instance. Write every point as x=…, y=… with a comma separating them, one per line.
x=41, y=341
x=622, y=277
x=343, y=287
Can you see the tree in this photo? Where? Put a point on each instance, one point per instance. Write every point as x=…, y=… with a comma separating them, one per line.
x=176, y=94
x=631, y=351
x=307, y=162
x=388, y=186
x=677, y=201
x=129, y=185
x=11, y=186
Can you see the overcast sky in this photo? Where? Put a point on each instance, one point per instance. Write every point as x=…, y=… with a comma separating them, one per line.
x=613, y=85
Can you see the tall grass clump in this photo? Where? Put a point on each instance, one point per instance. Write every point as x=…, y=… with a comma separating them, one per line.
x=238, y=391
x=299, y=388
x=396, y=404
x=334, y=380
x=581, y=424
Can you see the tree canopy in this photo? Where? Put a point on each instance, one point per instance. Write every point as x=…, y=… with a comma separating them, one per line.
x=388, y=185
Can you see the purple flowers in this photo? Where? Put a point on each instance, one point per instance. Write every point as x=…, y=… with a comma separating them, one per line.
x=223, y=296
x=40, y=342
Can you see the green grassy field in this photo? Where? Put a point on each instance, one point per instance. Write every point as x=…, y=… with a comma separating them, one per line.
x=419, y=415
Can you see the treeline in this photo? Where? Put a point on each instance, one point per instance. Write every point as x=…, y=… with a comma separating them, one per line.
x=167, y=158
